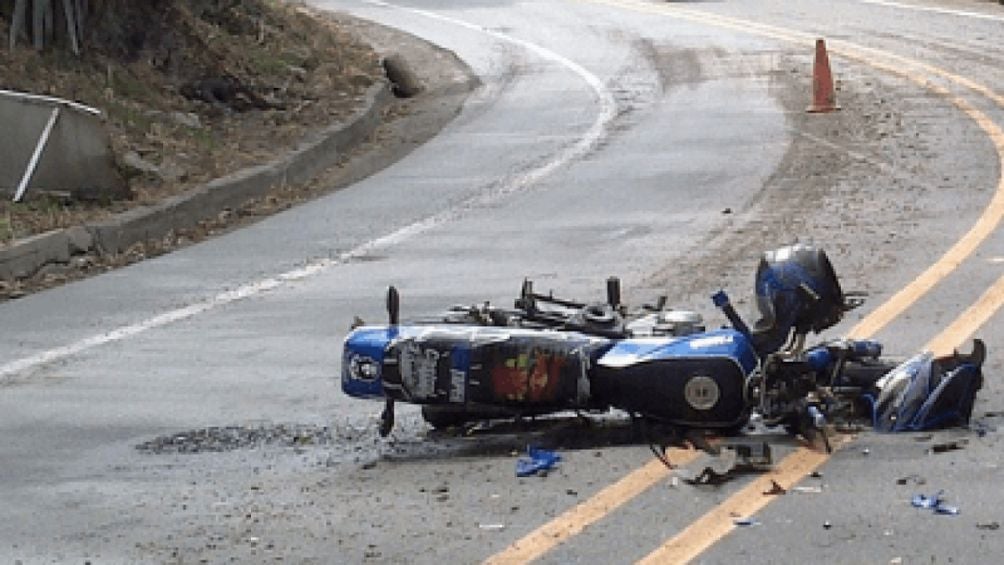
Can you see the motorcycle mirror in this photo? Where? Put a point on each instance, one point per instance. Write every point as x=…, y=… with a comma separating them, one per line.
x=526, y=299
x=614, y=292
x=393, y=305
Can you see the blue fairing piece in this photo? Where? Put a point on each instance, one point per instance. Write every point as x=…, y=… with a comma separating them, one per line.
x=714, y=344
x=538, y=460
x=925, y=393
x=362, y=360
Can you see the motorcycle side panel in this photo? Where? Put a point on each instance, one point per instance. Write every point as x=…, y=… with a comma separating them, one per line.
x=697, y=380
x=496, y=366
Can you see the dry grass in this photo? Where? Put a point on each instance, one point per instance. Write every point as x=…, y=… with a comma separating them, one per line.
x=313, y=71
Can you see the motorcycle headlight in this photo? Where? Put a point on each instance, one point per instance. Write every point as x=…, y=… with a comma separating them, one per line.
x=363, y=368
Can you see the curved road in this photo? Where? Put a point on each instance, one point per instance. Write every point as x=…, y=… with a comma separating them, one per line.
x=663, y=142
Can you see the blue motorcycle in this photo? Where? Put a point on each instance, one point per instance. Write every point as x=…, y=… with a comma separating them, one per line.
x=549, y=354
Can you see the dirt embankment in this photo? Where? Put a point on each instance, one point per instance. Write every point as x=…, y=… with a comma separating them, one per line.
x=191, y=90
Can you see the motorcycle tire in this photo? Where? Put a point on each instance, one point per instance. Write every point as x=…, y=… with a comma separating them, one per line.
x=443, y=417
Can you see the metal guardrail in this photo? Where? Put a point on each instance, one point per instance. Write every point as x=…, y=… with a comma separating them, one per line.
x=55, y=144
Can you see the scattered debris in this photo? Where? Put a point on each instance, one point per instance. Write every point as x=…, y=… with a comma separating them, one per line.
x=981, y=428
x=816, y=475
x=774, y=489
x=709, y=468
x=442, y=493
x=807, y=490
x=228, y=438
x=924, y=501
x=717, y=467
x=947, y=446
x=747, y=521
x=942, y=508
x=936, y=503
x=912, y=478
x=538, y=462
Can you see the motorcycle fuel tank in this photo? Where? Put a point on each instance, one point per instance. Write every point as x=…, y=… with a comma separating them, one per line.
x=698, y=380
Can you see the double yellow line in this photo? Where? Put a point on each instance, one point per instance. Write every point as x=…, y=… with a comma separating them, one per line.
x=717, y=523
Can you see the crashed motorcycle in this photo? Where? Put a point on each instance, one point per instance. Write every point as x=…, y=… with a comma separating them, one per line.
x=549, y=354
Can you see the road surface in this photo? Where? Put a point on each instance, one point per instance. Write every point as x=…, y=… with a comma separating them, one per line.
x=184, y=409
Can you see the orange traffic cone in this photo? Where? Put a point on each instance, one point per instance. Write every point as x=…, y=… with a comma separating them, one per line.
x=824, y=99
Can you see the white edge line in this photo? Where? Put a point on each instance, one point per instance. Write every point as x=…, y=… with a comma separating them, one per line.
x=50, y=101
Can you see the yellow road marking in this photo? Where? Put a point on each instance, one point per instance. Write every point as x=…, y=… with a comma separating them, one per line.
x=720, y=520
x=966, y=324
x=576, y=519
x=717, y=523
x=906, y=68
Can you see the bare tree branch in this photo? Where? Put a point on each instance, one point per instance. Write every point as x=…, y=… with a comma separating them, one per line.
x=81, y=11
x=17, y=21
x=71, y=25
x=38, y=24
x=48, y=22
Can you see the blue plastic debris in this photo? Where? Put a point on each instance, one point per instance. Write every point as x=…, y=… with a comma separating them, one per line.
x=924, y=501
x=936, y=503
x=943, y=508
x=539, y=461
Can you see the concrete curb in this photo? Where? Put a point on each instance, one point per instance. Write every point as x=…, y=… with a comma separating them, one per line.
x=446, y=82
x=26, y=257
x=230, y=192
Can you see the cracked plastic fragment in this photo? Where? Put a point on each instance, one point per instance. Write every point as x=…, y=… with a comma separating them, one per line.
x=936, y=503
x=539, y=461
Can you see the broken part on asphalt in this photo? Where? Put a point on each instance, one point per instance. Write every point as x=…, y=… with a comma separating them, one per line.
x=537, y=462
x=726, y=461
x=547, y=355
x=935, y=502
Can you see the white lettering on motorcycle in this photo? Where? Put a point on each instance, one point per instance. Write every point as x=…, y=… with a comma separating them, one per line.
x=710, y=341
x=418, y=370
x=457, y=389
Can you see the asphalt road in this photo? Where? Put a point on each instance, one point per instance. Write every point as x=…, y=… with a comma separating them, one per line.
x=663, y=142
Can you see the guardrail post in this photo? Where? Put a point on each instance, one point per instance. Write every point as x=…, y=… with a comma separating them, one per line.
x=33, y=162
